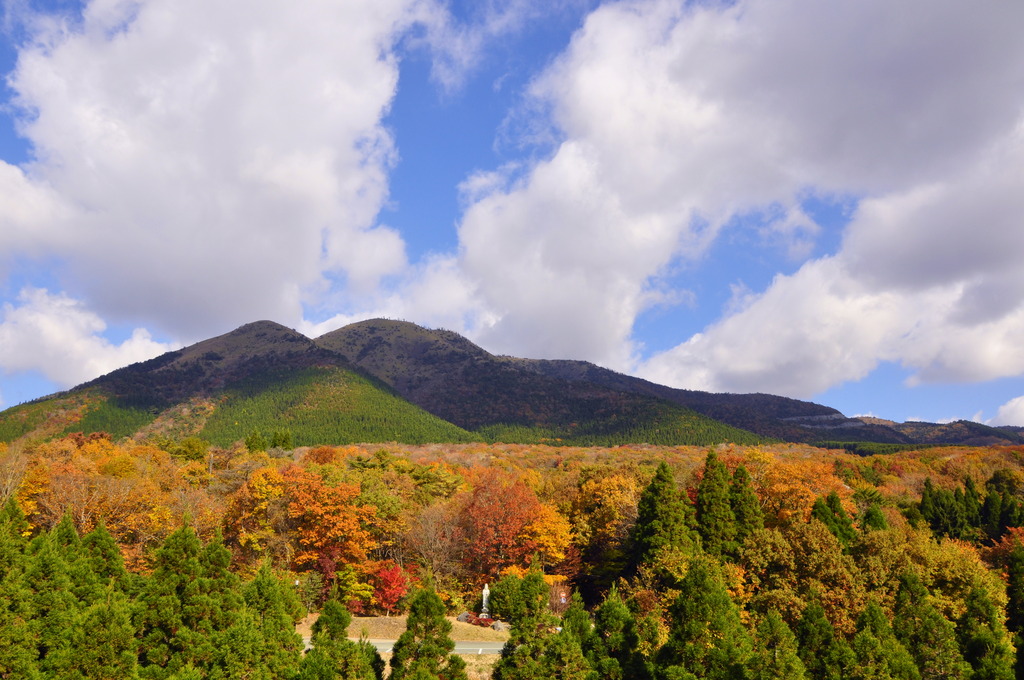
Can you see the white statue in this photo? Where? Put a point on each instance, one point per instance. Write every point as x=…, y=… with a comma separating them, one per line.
x=485, y=608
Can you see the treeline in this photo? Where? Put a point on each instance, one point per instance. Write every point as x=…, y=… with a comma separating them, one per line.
x=751, y=548
x=913, y=623
x=965, y=514
x=70, y=609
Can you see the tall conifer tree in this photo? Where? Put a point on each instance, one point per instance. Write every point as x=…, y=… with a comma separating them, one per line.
x=746, y=507
x=984, y=640
x=826, y=656
x=613, y=648
x=280, y=646
x=17, y=648
x=715, y=519
x=926, y=633
x=829, y=511
x=334, y=656
x=879, y=654
x=775, y=651
x=664, y=520
x=424, y=650
x=707, y=639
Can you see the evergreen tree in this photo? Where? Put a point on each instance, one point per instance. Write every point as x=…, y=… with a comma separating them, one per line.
x=707, y=639
x=826, y=656
x=17, y=647
x=873, y=519
x=984, y=640
x=280, y=646
x=879, y=654
x=829, y=511
x=162, y=618
x=504, y=600
x=664, y=520
x=1015, y=590
x=972, y=504
x=104, y=557
x=716, y=522
x=54, y=606
x=613, y=648
x=103, y=644
x=425, y=648
x=576, y=620
x=746, y=507
x=532, y=649
x=926, y=633
x=333, y=655
x=775, y=651
x=992, y=514
x=191, y=606
x=13, y=523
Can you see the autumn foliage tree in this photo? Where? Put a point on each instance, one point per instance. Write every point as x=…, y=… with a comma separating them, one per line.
x=495, y=521
x=329, y=528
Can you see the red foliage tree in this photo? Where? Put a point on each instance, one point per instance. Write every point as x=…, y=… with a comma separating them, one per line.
x=494, y=521
x=389, y=586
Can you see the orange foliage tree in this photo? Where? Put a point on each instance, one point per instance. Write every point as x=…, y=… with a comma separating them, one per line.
x=330, y=530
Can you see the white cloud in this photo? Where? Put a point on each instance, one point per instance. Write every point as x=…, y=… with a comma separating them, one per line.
x=926, y=278
x=210, y=164
x=676, y=118
x=59, y=336
x=1010, y=413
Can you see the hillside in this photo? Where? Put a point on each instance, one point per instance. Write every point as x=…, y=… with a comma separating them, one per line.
x=382, y=380
x=454, y=379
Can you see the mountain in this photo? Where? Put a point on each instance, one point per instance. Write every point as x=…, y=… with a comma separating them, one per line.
x=383, y=380
x=451, y=377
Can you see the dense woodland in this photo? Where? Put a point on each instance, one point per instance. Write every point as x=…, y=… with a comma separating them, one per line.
x=170, y=558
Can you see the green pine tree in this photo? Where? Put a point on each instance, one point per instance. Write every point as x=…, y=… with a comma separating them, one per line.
x=613, y=647
x=17, y=644
x=333, y=655
x=926, y=633
x=746, y=507
x=190, y=607
x=664, y=520
x=972, y=504
x=716, y=522
x=54, y=607
x=826, y=656
x=984, y=640
x=879, y=654
x=280, y=646
x=425, y=648
x=873, y=519
x=775, y=651
x=829, y=511
x=576, y=620
x=707, y=639
x=104, y=556
x=103, y=643
x=1015, y=590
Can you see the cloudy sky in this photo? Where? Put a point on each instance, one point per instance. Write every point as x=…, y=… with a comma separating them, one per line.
x=823, y=200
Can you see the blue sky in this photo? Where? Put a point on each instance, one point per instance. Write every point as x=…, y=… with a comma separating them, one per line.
x=820, y=200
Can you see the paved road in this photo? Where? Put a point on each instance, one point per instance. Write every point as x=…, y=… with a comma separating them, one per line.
x=461, y=647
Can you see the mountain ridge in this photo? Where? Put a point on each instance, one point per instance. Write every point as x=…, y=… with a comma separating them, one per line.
x=448, y=377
